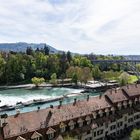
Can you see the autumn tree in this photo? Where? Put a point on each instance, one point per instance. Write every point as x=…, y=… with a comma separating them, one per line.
x=86, y=75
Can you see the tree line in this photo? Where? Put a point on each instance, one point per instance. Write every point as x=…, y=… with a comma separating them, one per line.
x=21, y=67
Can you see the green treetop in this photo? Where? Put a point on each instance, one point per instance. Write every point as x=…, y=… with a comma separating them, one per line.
x=37, y=81
x=135, y=135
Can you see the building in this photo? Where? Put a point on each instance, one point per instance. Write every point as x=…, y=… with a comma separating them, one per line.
x=102, y=117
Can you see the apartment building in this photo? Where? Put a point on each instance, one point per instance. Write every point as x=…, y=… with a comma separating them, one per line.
x=107, y=116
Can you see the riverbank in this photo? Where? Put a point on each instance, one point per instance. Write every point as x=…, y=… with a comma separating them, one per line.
x=91, y=85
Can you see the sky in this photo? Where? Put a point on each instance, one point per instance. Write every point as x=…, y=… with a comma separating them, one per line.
x=81, y=26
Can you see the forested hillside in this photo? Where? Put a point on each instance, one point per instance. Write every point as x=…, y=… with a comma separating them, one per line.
x=21, y=67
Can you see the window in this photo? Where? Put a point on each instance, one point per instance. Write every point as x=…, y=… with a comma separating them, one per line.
x=106, y=125
x=94, y=134
x=72, y=127
x=88, y=132
x=120, y=124
x=112, y=127
x=63, y=129
x=88, y=122
x=136, y=117
x=130, y=120
x=36, y=136
x=125, y=118
x=100, y=132
x=80, y=124
x=51, y=135
x=71, y=124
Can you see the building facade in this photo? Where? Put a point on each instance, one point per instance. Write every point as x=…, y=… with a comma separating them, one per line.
x=108, y=116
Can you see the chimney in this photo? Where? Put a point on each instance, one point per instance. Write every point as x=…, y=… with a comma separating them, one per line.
x=51, y=106
x=17, y=112
x=38, y=108
x=75, y=100
x=88, y=97
x=110, y=91
x=60, y=103
x=100, y=96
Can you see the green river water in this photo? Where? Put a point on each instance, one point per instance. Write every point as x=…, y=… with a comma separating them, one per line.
x=12, y=96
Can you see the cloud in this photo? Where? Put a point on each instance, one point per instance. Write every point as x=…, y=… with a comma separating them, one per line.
x=98, y=26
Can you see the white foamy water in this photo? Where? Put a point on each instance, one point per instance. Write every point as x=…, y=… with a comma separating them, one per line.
x=5, y=100
x=12, y=96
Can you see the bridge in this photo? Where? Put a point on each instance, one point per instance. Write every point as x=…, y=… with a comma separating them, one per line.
x=116, y=61
x=130, y=63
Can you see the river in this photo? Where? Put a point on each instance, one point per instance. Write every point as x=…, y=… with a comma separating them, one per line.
x=12, y=96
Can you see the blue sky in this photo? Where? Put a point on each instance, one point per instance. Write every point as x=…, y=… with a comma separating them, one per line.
x=83, y=26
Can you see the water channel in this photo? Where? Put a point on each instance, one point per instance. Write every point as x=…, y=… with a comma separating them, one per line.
x=12, y=96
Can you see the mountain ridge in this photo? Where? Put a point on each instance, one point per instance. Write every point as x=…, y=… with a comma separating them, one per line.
x=22, y=46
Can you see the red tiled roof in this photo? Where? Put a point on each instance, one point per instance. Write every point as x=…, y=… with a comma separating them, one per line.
x=32, y=121
x=1, y=138
x=116, y=95
x=36, y=120
x=132, y=90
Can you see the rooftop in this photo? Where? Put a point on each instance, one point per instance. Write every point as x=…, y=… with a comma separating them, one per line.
x=32, y=121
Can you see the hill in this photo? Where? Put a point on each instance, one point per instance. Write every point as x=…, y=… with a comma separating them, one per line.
x=22, y=46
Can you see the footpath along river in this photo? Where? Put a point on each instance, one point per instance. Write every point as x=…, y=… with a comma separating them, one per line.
x=12, y=96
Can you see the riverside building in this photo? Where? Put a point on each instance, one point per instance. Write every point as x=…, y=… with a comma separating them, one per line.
x=107, y=116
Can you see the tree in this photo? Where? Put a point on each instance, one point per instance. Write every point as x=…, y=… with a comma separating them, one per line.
x=53, y=65
x=96, y=73
x=110, y=75
x=2, y=63
x=86, y=75
x=69, y=57
x=75, y=78
x=29, y=51
x=135, y=135
x=70, y=71
x=138, y=67
x=14, y=69
x=124, y=79
x=46, y=50
x=37, y=81
x=53, y=79
x=37, y=50
x=63, y=63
